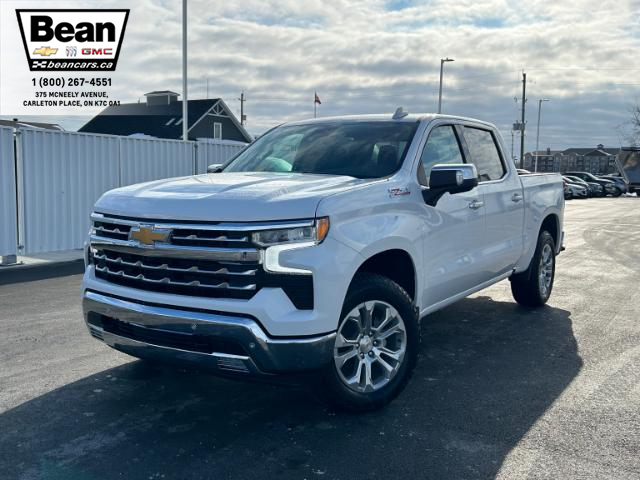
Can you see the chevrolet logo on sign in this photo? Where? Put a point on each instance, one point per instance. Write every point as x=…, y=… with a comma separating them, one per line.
x=45, y=51
x=149, y=235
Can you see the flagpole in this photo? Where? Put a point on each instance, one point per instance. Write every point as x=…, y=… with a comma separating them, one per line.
x=315, y=105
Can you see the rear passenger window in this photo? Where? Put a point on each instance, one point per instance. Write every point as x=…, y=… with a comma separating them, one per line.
x=442, y=147
x=484, y=154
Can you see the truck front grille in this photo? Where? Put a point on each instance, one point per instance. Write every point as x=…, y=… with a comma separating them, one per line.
x=204, y=260
x=183, y=276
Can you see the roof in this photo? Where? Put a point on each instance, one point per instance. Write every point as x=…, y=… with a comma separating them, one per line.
x=592, y=152
x=380, y=117
x=162, y=92
x=162, y=121
x=543, y=153
x=23, y=123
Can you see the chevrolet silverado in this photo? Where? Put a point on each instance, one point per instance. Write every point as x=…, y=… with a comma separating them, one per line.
x=318, y=249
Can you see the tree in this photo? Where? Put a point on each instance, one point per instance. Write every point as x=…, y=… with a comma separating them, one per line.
x=634, y=134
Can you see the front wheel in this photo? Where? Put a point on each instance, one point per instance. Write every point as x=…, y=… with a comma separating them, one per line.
x=376, y=346
x=617, y=192
x=532, y=288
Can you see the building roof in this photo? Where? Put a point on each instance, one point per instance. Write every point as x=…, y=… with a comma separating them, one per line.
x=537, y=153
x=592, y=152
x=162, y=121
x=162, y=92
x=17, y=123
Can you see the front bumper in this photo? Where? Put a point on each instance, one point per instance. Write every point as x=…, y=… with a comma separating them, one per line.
x=215, y=342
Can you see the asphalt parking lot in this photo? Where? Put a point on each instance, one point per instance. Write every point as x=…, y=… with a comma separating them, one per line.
x=499, y=392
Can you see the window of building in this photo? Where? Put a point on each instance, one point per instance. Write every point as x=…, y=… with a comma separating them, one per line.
x=217, y=130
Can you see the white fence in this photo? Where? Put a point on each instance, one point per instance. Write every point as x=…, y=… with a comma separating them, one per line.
x=215, y=152
x=8, y=215
x=143, y=159
x=62, y=174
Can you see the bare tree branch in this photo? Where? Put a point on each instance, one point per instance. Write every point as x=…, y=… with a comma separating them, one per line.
x=634, y=134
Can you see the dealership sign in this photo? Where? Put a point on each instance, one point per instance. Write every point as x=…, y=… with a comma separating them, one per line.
x=72, y=40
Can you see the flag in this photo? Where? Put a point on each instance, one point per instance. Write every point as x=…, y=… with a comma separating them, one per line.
x=317, y=99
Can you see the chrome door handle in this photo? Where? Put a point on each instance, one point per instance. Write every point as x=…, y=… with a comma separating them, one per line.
x=516, y=197
x=476, y=204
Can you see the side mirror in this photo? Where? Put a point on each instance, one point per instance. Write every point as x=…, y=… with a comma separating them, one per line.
x=215, y=168
x=449, y=178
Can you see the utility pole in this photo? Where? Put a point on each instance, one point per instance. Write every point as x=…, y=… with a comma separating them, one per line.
x=538, y=131
x=512, y=145
x=522, y=125
x=242, y=100
x=185, y=97
x=442, y=62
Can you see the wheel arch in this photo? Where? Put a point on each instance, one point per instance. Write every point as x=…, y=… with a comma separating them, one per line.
x=551, y=223
x=396, y=264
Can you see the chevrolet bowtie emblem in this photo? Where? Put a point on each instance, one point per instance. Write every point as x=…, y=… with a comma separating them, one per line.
x=45, y=51
x=148, y=235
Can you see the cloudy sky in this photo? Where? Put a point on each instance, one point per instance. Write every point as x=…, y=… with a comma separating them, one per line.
x=365, y=56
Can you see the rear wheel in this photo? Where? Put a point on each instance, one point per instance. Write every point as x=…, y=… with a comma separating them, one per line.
x=532, y=288
x=376, y=345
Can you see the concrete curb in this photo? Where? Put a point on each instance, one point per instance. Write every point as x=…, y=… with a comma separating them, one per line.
x=40, y=271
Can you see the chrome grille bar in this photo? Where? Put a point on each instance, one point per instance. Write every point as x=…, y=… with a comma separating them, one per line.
x=168, y=281
x=175, y=251
x=165, y=267
x=219, y=238
x=231, y=227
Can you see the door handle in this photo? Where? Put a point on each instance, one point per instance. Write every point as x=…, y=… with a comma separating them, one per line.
x=516, y=197
x=476, y=204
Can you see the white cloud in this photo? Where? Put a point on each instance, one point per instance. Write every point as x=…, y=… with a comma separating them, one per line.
x=371, y=56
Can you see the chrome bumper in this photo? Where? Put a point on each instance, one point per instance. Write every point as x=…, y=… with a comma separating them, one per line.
x=260, y=355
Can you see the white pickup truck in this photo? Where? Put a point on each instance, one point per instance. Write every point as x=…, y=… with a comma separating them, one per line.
x=318, y=248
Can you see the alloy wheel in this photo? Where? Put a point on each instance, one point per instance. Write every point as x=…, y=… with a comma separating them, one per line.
x=370, y=346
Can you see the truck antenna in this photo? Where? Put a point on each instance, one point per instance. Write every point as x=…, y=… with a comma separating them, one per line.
x=400, y=113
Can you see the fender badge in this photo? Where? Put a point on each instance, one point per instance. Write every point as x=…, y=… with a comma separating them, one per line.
x=399, y=192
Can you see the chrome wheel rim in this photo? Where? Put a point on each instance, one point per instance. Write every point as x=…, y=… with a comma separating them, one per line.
x=370, y=346
x=545, y=272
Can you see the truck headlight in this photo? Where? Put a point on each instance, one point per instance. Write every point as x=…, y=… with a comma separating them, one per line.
x=284, y=239
x=313, y=233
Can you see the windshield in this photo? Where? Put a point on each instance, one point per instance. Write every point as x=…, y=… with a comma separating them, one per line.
x=358, y=149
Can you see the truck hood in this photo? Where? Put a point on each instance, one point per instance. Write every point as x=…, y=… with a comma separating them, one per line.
x=226, y=197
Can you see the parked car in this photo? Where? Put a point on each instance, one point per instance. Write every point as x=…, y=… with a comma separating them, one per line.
x=619, y=182
x=610, y=188
x=318, y=249
x=593, y=189
x=628, y=161
x=574, y=190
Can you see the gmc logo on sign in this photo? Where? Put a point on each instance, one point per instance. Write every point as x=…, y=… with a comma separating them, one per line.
x=97, y=37
x=97, y=51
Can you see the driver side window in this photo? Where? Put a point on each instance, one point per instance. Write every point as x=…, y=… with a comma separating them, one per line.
x=442, y=147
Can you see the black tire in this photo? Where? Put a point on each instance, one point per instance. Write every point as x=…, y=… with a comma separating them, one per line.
x=369, y=287
x=526, y=287
x=617, y=192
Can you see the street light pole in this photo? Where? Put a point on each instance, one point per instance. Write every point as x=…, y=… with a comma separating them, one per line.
x=538, y=132
x=185, y=99
x=442, y=62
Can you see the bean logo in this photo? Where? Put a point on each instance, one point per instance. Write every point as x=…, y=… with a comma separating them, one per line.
x=72, y=40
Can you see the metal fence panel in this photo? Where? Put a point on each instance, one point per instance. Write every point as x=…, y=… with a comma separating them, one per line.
x=8, y=212
x=143, y=160
x=63, y=174
x=216, y=151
